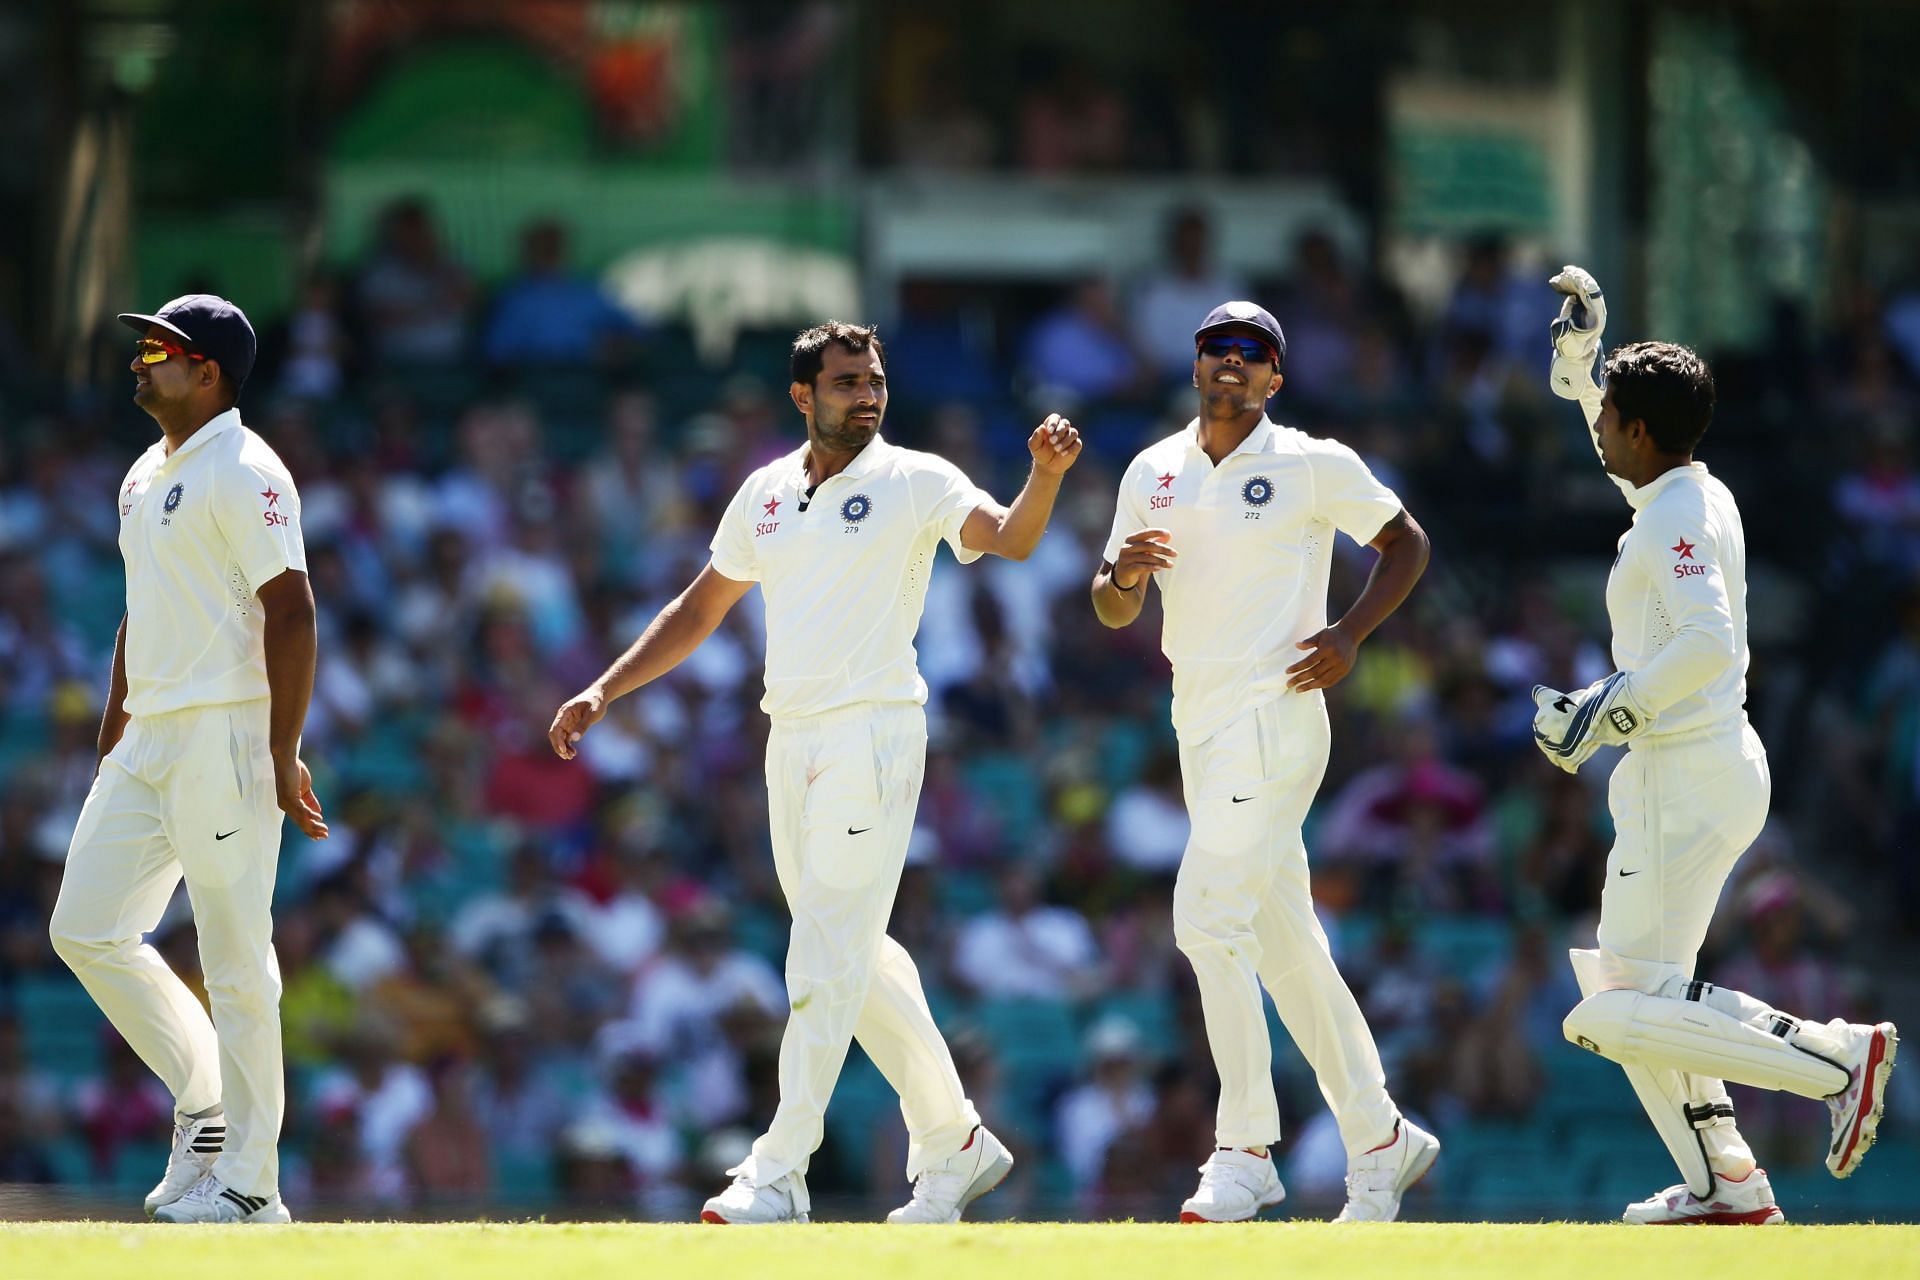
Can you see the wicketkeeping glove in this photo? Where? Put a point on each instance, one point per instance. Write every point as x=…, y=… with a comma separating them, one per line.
x=1570, y=727
x=1576, y=334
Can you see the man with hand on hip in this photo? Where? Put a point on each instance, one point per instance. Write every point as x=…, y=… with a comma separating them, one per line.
x=1234, y=518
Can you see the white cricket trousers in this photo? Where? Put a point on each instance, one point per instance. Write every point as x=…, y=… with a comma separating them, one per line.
x=187, y=793
x=1243, y=915
x=841, y=793
x=1684, y=809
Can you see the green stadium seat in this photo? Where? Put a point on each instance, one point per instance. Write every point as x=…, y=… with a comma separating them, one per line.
x=1463, y=946
x=60, y=1023
x=1036, y=1041
x=521, y=1178
x=965, y=893
x=1151, y=1011
x=1009, y=789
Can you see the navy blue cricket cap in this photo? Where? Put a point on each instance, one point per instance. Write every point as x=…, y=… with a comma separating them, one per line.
x=1245, y=315
x=212, y=326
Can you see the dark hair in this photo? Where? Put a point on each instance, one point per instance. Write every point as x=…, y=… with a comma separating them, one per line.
x=810, y=346
x=1667, y=387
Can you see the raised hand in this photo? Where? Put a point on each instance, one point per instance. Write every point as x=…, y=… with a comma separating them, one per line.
x=1054, y=444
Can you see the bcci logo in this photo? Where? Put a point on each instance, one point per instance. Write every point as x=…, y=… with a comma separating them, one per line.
x=856, y=508
x=1257, y=492
x=173, y=499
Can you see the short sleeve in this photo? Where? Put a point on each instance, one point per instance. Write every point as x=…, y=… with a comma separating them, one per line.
x=1128, y=517
x=944, y=498
x=258, y=513
x=732, y=545
x=1346, y=493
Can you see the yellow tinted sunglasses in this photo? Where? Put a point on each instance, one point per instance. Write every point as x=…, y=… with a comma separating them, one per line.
x=155, y=350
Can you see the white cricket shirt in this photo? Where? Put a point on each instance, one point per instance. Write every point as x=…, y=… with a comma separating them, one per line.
x=1255, y=537
x=201, y=532
x=1677, y=599
x=845, y=580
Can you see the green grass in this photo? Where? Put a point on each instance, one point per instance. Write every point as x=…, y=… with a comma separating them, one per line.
x=1287, y=1250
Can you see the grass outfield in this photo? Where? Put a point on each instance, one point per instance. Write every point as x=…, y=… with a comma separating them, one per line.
x=1430, y=1251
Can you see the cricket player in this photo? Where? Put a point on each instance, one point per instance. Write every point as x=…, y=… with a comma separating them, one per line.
x=841, y=534
x=1234, y=517
x=200, y=756
x=1688, y=797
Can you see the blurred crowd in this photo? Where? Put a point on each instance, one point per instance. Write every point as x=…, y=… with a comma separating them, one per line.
x=513, y=981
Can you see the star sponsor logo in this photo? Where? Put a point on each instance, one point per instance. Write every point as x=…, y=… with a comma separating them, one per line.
x=1160, y=501
x=273, y=515
x=1685, y=566
x=771, y=505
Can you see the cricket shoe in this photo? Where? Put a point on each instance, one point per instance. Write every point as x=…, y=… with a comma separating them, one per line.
x=1377, y=1180
x=211, y=1200
x=1856, y=1109
x=943, y=1192
x=1738, y=1202
x=196, y=1145
x=1234, y=1186
x=784, y=1199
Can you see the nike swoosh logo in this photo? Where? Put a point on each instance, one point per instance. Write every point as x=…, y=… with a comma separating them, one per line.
x=221, y=837
x=862, y=831
x=1628, y=873
x=1241, y=799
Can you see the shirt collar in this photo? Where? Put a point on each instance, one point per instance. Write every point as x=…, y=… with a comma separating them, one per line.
x=864, y=462
x=218, y=424
x=1259, y=440
x=1640, y=497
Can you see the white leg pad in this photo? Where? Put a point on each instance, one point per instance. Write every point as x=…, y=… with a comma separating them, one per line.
x=1667, y=1095
x=1693, y=1036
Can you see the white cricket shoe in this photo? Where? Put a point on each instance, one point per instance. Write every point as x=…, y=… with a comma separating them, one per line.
x=942, y=1193
x=1856, y=1109
x=1746, y=1202
x=1377, y=1180
x=196, y=1145
x=1234, y=1186
x=784, y=1199
x=211, y=1200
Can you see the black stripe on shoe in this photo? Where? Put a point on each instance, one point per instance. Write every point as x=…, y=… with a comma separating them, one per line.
x=209, y=1141
x=247, y=1203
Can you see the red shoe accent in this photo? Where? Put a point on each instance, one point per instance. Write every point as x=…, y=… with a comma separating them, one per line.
x=1751, y=1218
x=708, y=1215
x=1194, y=1217
x=1874, y=1054
x=968, y=1146
x=1389, y=1142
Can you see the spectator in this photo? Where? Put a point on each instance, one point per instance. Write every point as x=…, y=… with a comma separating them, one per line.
x=1114, y=1101
x=1082, y=347
x=415, y=299
x=546, y=315
x=1169, y=303
x=1026, y=948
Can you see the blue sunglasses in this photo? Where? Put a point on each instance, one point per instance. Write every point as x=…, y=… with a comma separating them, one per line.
x=1250, y=350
